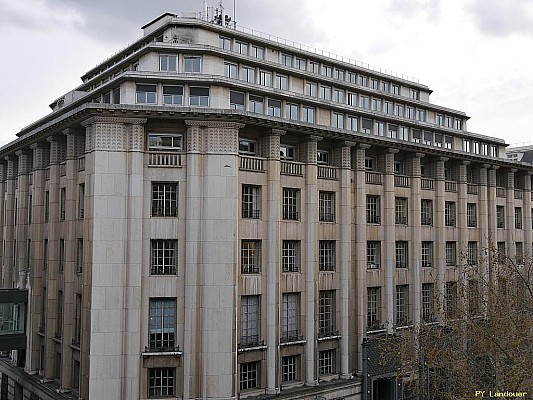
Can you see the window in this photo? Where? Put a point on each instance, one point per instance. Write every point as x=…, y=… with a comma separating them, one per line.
x=251, y=202
x=404, y=133
x=76, y=337
x=167, y=62
x=326, y=206
x=326, y=255
x=173, y=95
x=274, y=107
x=163, y=254
x=290, y=256
x=473, y=297
x=308, y=114
x=300, y=63
x=192, y=64
x=451, y=299
x=322, y=157
x=75, y=376
x=337, y=120
x=399, y=110
x=236, y=100
x=45, y=253
x=230, y=70
x=257, y=52
x=286, y=59
x=161, y=382
x=428, y=302
x=311, y=89
x=81, y=201
x=338, y=95
x=326, y=313
x=448, y=142
x=62, y=203
x=248, y=74
x=518, y=217
x=471, y=215
x=393, y=131
x=290, y=317
x=327, y=71
x=379, y=128
x=366, y=125
x=402, y=305
x=519, y=252
x=291, y=111
x=396, y=89
x=61, y=258
x=388, y=107
x=374, y=83
x=164, y=199
x=241, y=48
x=224, y=43
x=46, y=206
x=265, y=78
x=282, y=82
x=376, y=104
x=59, y=320
x=290, y=368
x=199, y=96
x=164, y=142
x=401, y=211
x=162, y=322
x=451, y=253
x=291, y=204
x=256, y=104
x=326, y=362
x=373, y=254
x=426, y=212
x=373, y=209
x=313, y=67
x=449, y=213
x=364, y=102
x=373, y=315
x=402, y=254
x=145, y=94
x=415, y=94
x=247, y=146
x=286, y=152
x=420, y=115
x=250, y=256
x=249, y=375
x=352, y=99
x=250, y=321
x=363, y=80
x=427, y=254
x=501, y=252
x=458, y=124
x=472, y=256
x=30, y=209
x=79, y=256
x=325, y=92
x=352, y=123
x=500, y=217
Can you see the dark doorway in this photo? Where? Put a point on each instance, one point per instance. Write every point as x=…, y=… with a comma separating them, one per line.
x=384, y=389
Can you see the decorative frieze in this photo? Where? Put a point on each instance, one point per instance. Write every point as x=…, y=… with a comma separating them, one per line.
x=25, y=161
x=270, y=144
x=113, y=134
x=360, y=154
x=213, y=136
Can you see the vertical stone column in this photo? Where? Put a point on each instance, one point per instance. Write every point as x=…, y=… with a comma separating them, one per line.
x=528, y=233
x=389, y=243
x=270, y=146
x=344, y=261
x=462, y=235
x=114, y=182
x=359, y=256
x=3, y=250
x=509, y=215
x=415, y=252
x=211, y=189
x=492, y=223
x=440, y=232
x=21, y=229
x=9, y=225
x=483, y=224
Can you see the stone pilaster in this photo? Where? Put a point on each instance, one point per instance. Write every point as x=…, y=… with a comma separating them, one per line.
x=415, y=251
x=509, y=215
x=527, y=225
x=440, y=233
x=389, y=242
x=462, y=231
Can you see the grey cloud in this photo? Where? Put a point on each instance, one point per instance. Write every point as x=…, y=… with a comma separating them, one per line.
x=502, y=18
x=411, y=8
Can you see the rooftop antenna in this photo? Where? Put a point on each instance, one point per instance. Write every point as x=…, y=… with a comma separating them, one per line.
x=222, y=19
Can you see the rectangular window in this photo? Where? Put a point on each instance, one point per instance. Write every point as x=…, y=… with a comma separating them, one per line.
x=519, y=253
x=291, y=204
x=364, y=102
x=282, y=82
x=339, y=74
x=46, y=206
x=251, y=202
x=500, y=217
x=352, y=124
x=30, y=209
x=311, y=89
x=388, y=107
x=402, y=305
x=376, y=105
x=401, y=211
x=199, y=96
x=257, y=52
x=250, y=321
x=308, y=114
x=427, y=254
x=366, y=125
x=286, y=152
x=81, y=201
x=449, y=213
x=236, y=100
x=325, y=92
x=145, y=94
x=164, y=199
x=374, y=84
x=192, y=64
x=402, y=254
x=451, y=253
x=337, y=120
x=230, y=70
x=428, y=302
x=327, y=71
x=250, y=256
x=62, y=203
x=471, y=215
x=290, y=368
x=290, y=256
x=473, y=297
x=290, y=317
x=426, y=212
x=249, y=375
x=162, y=324
x=373, y=316
x=451, y=300
x=167, y=62
x=224, y=43
x=399, y=110
x=163, y=255
x=79, y=256
x=256, y=104
x=59, y=320
x=161, y=382
x=241, y=48
x=248, y=74
x=501, y=252
x=164, y=142
x=338, y=95
x=313, y=67
x=274, y=108
x=265, y=78
x=326, y=313
x=326, y=362
x=472, y=256
x=326, y=255
x=286, y=59
x=373, y=209
x=247, y=146
x=45, y=253
x=291, y=111
x=300, y=63
x=326, y=206
x=373, y=254
x=76, y=337
x=173, y=95
x=518, y=217
x=61, y=258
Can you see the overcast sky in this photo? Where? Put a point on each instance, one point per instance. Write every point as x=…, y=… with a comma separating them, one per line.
x=474, y=54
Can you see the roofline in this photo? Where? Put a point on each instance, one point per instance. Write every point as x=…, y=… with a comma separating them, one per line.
x=167, y=14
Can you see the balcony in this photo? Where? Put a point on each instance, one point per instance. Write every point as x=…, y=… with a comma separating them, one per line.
x=402, y=181
x=328, y=332
x=326, y=172
x=291, y=168
x=518, y=194
x=471, y=188
x=292, y=337
x=12, y=319
x=159, y=159
x=375, y=178
x=427, y=183
x=252, y=164
x=450, y=186
x=500, y=192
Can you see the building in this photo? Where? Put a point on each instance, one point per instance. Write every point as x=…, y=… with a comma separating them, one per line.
x=520, y=152
x=218, y=214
